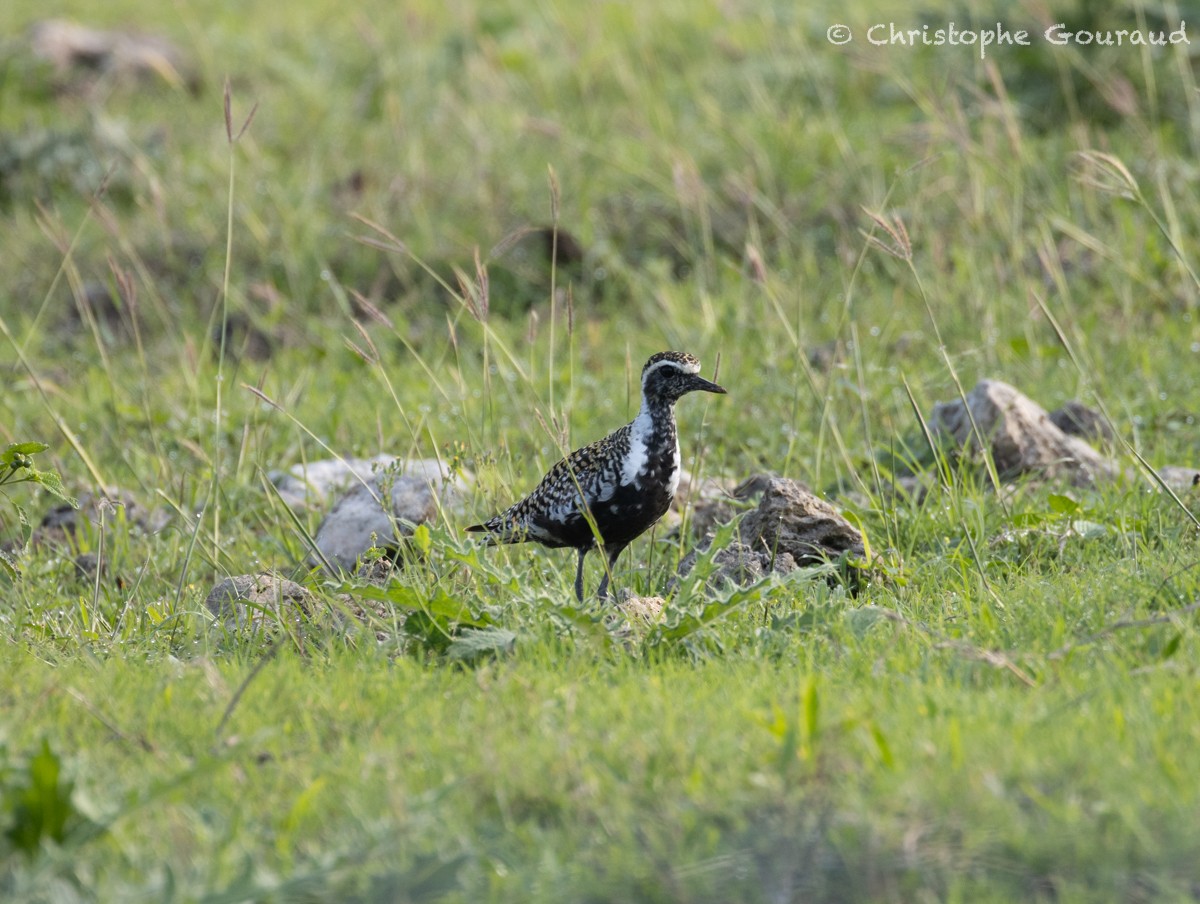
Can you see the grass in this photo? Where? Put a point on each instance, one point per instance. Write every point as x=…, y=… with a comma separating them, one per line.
x=1007, y=714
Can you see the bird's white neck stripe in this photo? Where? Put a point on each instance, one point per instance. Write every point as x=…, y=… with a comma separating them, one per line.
x=643, y=424
x=639, y=442
x=641, y=433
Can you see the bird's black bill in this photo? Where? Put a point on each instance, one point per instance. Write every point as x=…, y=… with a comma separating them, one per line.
x=699, y=384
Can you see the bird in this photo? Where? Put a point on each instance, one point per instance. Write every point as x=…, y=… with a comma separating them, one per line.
x=608, y=493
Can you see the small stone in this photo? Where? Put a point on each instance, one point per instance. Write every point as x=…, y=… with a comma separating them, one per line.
x=260, y=601
x=644, y=608
x=1180, y=480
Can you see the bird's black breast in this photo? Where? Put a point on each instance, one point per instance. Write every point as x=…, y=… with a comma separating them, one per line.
x=630, y=511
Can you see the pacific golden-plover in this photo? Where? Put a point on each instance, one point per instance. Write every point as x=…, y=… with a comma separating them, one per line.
x=607, y=494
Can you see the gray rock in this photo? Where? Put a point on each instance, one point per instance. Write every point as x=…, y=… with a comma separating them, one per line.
x=260, y=601
x=791, y=520
x=1180, y=480
x=116, y=507
x=713, y=501
x=264, y=601
x=739, y=564
x=1020, y=436
x=313, y=483
x=712, y=509
x=1076, y=419
x=417, y=490
x=791, y=528
x=68, y=45
x=1025, y=440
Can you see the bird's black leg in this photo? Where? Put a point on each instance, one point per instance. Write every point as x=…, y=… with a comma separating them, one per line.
x=579, y=575
x=611, y=556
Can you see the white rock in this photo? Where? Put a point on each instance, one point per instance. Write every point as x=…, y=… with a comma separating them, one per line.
x=312, y=483
x=419, y=490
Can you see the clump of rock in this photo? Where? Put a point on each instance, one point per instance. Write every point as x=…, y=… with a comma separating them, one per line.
x=791, y=528
x=792, y=521
x=716, y=501
x=739, y=564
x=266, y=601
x=259, y=601
x=1019, y=435
x=312, y=483
x=1023, y=439
x=1076, y=419
x=415, y=491
x=68, y=46
x=112, y=507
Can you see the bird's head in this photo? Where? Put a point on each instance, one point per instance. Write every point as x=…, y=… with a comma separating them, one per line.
x=669, y=375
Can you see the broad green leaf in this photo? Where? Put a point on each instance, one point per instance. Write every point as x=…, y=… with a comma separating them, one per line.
x=54, y=485
x=1063, y=505
x=41, y=809
x=1089, y=530
x=472, y=644
x=8, y=565
x=15, y=451
x=421, y=539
